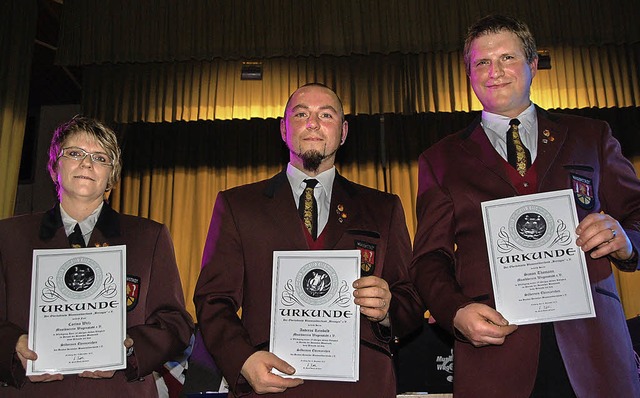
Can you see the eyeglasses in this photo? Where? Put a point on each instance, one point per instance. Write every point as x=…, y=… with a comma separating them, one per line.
x=78, y=154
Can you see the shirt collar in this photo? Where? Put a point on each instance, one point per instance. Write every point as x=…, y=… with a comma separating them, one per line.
x=500, y=123
x=87, y=225
x=296, y=179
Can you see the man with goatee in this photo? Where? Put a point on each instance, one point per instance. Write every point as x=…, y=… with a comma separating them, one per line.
x=251, y=221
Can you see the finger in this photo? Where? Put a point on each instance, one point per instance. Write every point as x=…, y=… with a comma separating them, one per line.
x=370, y=281
x=276, y=384
x=22, y=348
x=374, y=314
x=372, y=292
x=372, y=302
x=285, y=382
x=45, y=378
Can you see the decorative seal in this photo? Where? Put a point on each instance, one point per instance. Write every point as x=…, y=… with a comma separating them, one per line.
x=316, y=283
x=79, y=277
x=531, y=226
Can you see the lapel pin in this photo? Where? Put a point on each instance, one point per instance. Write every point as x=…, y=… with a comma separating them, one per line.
x=341, y=213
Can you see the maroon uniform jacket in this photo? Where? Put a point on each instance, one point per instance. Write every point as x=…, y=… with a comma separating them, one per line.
x=463, y=170
x=156, y=319
x=252, y=221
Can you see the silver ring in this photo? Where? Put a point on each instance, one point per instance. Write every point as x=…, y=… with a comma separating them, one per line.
x=613, y=234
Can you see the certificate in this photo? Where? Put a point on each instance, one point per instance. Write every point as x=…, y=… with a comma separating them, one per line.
x=78, y=311
x=538, y=272
x=315, y=325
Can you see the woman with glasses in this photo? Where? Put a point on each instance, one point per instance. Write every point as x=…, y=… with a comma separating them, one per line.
x=84, y=164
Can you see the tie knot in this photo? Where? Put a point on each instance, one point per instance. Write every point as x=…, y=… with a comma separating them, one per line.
x=514, y=122
x=311, y=182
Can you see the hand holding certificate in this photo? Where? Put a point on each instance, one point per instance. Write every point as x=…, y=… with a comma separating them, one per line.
x=315, y=325
x=538, y=272
x=78, y=310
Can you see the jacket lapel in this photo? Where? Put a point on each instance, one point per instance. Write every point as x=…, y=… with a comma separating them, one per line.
x=107, y=229
x=477, y=146
x=551, y=138
x=281, y=207
x=343, y=211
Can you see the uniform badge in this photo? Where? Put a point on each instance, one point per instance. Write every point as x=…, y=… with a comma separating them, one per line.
x=583, y=191
x=133, y=291
x=367, y=257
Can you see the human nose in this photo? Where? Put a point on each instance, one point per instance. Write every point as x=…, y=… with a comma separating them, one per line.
x=313, y=122
x=86, y=161
x=496, y=70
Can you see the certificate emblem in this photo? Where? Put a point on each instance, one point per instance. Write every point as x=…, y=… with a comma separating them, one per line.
x=79, y=277
x=531, y=226
x=318, y=282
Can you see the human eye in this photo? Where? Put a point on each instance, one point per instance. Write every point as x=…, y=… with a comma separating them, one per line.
x=101, y=158
x=300, y=115
x=75, y=153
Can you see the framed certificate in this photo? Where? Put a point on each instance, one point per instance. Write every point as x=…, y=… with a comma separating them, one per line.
x=315, y=325
x=78, y=311
x=538, y=272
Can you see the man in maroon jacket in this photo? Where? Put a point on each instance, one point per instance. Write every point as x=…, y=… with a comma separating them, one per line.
x=492, y=358
x=251, y=221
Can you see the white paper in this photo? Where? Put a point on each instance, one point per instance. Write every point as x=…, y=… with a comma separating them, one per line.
x=315, y=325
x=78, y=311
x=538, y=272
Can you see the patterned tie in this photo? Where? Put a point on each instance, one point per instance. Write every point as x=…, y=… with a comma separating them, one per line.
x=308, y=208
x=75, y=238
x=517, y=154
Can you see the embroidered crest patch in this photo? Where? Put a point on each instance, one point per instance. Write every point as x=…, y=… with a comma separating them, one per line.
x=367, y=257
x=133, y=291
x=583, y=191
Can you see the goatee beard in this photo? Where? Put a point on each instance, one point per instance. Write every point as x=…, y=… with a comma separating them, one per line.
x=311, y=160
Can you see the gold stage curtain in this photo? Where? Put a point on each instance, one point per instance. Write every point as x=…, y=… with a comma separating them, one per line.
x=18, y=30
x=583, y=77
x=125, y=31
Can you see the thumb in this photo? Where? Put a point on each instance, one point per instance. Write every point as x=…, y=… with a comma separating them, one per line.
x=496, y=318
x=282, y=366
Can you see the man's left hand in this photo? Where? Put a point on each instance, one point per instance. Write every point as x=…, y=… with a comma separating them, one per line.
x=603, y=236
x=373, y=296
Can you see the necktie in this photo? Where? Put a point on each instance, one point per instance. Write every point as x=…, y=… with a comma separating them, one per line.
x=75, y=238
x=308, y=208
x=517, y=154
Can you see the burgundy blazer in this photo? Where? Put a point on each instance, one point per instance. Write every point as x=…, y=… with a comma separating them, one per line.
x=463, y=170
x=248, y=224
x=158, y=322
